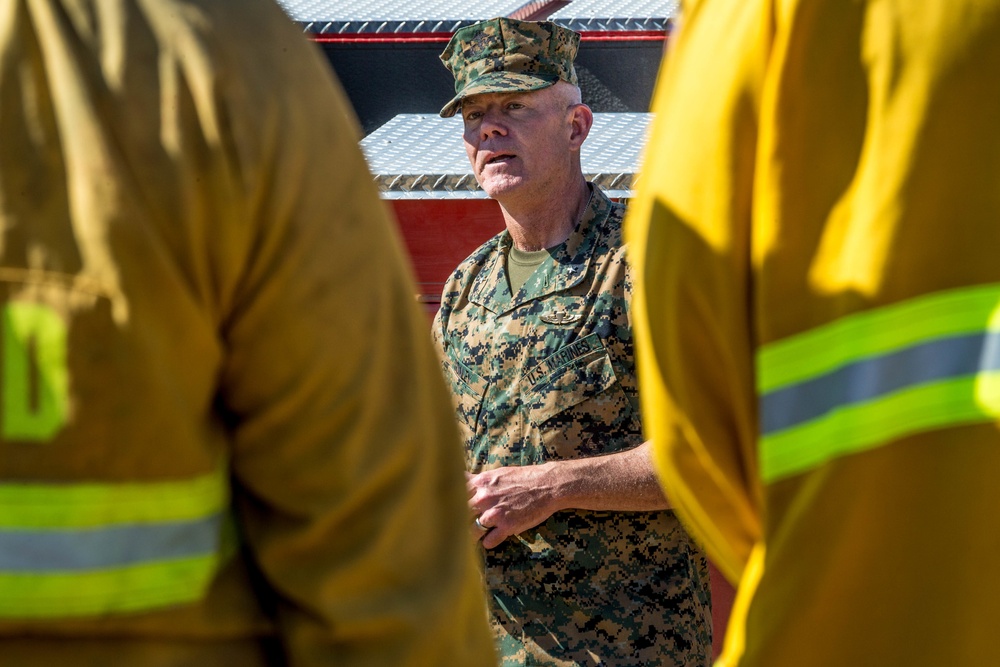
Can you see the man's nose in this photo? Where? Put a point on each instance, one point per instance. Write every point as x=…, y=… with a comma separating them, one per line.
x=492, y=124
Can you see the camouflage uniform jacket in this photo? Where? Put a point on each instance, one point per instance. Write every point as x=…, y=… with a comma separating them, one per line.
x=548, y=374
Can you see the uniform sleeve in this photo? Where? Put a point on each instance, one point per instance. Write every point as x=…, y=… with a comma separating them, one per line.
x=689, y=239
x=346, y=459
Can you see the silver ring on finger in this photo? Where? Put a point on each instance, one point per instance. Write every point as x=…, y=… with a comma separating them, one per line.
x=481, y=527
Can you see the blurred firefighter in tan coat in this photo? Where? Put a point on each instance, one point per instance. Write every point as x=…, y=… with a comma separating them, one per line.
x=815, y=240
x=225, y=438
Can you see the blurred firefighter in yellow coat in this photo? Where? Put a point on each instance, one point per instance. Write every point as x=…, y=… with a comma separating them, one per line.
x=816, y=241
x=225, y=438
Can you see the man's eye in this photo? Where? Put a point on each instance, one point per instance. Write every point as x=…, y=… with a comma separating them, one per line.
x=515, y=105
x=473, y=115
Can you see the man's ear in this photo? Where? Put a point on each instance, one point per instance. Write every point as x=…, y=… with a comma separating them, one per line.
x=581, y=120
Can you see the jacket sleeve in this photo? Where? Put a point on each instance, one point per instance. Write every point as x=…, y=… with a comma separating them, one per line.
x=689, y=238
x=346, y=458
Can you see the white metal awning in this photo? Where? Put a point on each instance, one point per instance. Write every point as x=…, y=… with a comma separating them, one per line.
x=399, y=17
x=422, y=156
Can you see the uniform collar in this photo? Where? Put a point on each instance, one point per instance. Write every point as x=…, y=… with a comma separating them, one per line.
x=566, y=266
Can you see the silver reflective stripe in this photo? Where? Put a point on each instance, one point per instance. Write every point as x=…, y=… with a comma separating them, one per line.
x=871, y=378
x=91, y=549
x=68, y=550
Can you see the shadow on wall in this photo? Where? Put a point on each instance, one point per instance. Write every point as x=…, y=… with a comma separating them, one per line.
x=387, y=78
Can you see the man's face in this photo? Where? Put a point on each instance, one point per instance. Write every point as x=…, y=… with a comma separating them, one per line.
x=518, y=143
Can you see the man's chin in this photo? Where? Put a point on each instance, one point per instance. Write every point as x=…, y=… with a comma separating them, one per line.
x=499, y=188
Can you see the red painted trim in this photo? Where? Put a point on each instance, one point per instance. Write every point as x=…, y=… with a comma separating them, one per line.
x=443, y=37
x=381, y=37
x=623, y=36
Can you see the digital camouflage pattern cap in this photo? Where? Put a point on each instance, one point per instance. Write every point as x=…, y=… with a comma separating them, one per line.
x=502, y=55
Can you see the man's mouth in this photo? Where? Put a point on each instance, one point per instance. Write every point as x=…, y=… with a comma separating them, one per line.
x=501, y=157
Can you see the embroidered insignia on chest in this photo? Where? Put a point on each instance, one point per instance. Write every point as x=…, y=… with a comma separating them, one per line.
x=560, y=316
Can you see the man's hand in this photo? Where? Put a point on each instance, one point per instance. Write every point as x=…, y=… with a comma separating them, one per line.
x=510, y=500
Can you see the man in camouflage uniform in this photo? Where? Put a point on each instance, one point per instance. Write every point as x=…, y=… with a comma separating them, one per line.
x=584, y=562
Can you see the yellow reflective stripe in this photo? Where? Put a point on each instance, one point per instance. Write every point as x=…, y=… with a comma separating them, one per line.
x=852, y=429
x=872, y=333
x=877, y=376
x=86, y=549
x=89, y=505
x=128, y=589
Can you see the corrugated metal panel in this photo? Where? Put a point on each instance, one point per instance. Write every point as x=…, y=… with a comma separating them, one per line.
x=604, y=16
x=395, y=16
x=422, y=156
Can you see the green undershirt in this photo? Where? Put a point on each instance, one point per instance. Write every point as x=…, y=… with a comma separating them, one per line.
x=521, y=264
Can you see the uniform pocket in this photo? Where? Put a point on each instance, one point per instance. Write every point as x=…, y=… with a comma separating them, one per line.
x=579, y=408
x=579, y=380
x=467, y=391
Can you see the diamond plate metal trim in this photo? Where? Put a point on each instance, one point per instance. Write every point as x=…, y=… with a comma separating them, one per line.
x=394, y=16
x=603, y=16
x=422, y=156
x=397, y=17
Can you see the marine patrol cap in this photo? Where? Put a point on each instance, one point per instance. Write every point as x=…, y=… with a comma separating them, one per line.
x=505, y=55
